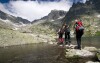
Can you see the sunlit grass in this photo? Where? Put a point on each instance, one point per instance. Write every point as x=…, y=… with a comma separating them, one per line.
x=10, y=37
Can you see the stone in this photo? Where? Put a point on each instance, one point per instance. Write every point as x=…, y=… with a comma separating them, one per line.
x=80, y=53
x=79, y=56
x=92, y=62
x=70, y=46
x=98, y=55
x=92, y=49
x=51, y=43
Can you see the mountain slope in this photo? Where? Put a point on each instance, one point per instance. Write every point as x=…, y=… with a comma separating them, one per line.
x=11, y=22
x=5, y=25
x=50, y=23
x=78, y=10
x=88, y=12
x=13, y=19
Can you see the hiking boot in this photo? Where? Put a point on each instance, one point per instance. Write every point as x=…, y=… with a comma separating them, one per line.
x=76, y=47
x=66, y=43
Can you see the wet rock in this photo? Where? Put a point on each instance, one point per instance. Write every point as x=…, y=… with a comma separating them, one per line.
x=70, y=46
x=92, y=49
x=92, y=62
x=79, y=56
x=98, y=55
x=80, y=53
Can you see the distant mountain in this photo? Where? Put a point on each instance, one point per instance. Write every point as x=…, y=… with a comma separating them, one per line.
x=11, y=22
x=50, y=23
x=88, y=12
x=13, y=19
x=55, y=16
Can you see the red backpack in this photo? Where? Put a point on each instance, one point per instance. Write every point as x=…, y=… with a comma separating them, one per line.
x=79, y=26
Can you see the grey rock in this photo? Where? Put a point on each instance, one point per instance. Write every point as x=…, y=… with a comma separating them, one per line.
x=92, y=49
x=92, y=62
x=80, y=53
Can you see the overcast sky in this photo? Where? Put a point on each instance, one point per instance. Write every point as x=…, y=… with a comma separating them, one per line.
x=32, y=10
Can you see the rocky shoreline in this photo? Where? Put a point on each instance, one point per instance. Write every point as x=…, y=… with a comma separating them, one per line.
x=85, y=55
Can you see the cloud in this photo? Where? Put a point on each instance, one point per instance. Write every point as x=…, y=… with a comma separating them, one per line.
x=75, y=1
x=32, y=10
x=82, y=1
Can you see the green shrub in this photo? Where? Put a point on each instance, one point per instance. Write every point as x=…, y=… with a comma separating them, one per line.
x=97, y=33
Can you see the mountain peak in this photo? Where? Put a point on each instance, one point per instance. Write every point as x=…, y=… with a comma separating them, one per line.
x=53, y=16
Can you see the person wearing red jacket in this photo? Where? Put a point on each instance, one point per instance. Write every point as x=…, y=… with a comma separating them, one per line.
x=79, y=29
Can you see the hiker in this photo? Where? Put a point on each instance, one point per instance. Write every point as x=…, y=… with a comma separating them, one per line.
x=60, y=33
x=67, y=34
x=79, y=30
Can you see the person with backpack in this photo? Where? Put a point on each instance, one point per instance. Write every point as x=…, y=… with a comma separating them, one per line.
x=67, y=34
x=60, y=33
x=79, y=30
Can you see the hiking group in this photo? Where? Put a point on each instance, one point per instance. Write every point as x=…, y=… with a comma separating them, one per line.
x=65, y=30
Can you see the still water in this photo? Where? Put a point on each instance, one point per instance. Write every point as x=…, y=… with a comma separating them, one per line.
x=32, y=53
x=89, y=41
x=40, y=53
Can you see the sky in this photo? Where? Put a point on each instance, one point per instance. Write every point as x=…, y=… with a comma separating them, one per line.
x=34, y=9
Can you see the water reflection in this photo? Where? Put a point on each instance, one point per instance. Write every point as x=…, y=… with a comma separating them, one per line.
x=32, y=53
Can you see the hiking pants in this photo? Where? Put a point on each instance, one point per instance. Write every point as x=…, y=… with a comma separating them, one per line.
x=67, y=36
x=60, y=35
x=78, y=38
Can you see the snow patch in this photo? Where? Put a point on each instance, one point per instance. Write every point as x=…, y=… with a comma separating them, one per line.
x=6, y=21
x=52, y=20
x=15, y=25
x=61, y=17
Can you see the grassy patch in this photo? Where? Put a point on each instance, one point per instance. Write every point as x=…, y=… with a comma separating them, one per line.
x=44, y=28
x=10, y=37
x=97, y=33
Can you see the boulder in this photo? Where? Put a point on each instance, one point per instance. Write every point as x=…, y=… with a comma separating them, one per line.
x=79, y=56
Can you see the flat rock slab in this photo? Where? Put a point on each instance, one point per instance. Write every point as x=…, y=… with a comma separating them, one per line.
x=80, y=53
x=79, y=56
x=92, y=62
x=92, y=49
